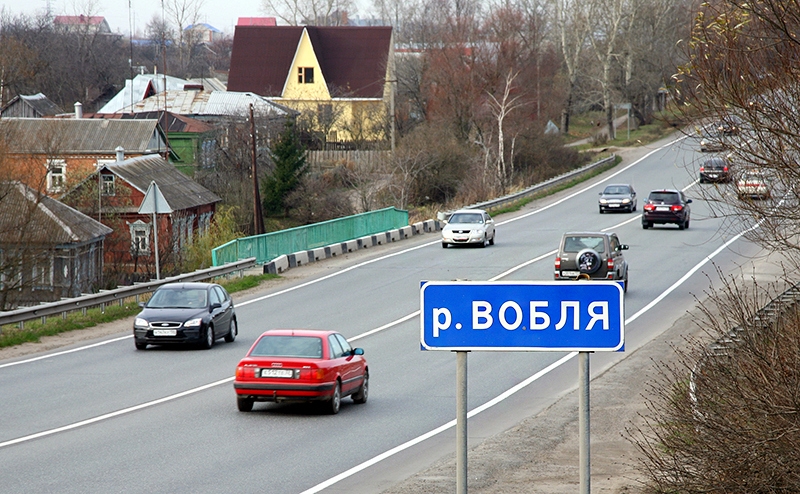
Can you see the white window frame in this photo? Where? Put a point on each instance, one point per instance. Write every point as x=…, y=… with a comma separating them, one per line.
x=140, y=230
x=109, y=184
x=56, y=182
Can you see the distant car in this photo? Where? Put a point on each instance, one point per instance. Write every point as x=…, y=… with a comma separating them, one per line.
x=301, y=365
x=713, y=142
x=666, y=206
x=730, y=125
x=468, y=226
x=593, y=255
x=715, y=170
x=617, y=197
x=186, y=313
x=753, y=184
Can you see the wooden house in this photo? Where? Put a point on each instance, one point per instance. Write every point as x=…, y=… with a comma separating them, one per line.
x=48, y=250
x=30, y=106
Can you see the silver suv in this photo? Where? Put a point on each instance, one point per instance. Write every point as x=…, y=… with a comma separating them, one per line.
x=592, y=255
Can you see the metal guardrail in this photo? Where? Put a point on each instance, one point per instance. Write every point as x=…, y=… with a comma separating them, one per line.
x=118, y=295
x=516, y=196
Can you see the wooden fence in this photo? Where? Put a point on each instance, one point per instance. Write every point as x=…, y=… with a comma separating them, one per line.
x=331, y=158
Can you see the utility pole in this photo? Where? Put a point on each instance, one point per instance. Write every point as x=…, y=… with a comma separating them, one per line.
x=258, y=217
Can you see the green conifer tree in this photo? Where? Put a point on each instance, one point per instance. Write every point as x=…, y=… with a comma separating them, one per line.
x=289, y=157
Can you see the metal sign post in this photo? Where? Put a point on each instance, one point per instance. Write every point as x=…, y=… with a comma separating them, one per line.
x=155, y=203
x=465, y=316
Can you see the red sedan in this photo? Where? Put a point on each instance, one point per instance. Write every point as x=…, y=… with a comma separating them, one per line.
x=286, y=365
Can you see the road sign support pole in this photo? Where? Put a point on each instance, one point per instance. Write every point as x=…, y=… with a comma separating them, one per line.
x=155, y=235
x=583, y=422
x=461, y=422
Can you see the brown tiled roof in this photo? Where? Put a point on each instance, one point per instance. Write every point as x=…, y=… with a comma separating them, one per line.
x=352, y=59
x=43, y=220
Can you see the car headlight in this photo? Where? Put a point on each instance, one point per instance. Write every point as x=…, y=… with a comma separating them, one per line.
x=626, y=201
x=603, y=201
x=478, y=232
x=140, y=323
x=193, y=323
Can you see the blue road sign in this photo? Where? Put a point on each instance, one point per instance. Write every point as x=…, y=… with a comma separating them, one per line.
x=522, y=316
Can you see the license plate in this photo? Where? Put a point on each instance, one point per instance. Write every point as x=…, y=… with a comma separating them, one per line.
x=613, y=205
x=712, y=175
x=277, y=373
x=662, y=208
x=165, y=332
x=570, y=273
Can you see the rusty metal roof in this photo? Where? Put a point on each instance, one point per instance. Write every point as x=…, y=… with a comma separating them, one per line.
x=81, y=136
x=180, y=191
x=353, y=60
x=41, y=220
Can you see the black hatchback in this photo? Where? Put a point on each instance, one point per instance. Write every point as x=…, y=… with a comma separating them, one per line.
x=186, y=313
x=666, y=206
x=715, y=170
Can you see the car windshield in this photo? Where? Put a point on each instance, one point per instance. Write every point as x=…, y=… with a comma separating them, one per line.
x=178, y=299
x=579, y=243
x=665, y=197
x=617, y=190
x=288, y=346
x=466, y=218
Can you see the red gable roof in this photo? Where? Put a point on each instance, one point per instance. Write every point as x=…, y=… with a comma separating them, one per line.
x=78, y=19
x=257, y=21
x=353, y=59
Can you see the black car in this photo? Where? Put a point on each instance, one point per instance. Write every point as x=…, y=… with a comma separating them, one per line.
x=715, y=170
x=617, y=197
x=666, y=206
x=186, y=313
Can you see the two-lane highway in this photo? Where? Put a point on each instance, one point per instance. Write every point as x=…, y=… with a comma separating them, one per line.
x=113, y=419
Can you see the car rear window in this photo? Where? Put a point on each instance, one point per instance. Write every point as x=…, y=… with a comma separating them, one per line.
x=665, y=197
x=579, y=243
x=288, y=346
x=716, y=164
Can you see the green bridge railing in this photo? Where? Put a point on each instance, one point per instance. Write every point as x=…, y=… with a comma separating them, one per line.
x=268, y=246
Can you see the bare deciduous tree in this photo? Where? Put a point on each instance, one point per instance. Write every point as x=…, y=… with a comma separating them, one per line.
x=310, y=12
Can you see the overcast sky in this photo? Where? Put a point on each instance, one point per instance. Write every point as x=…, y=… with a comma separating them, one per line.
x=221, y=14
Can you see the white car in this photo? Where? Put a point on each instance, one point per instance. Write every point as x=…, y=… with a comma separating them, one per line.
x=753, y=184
x=468, y=226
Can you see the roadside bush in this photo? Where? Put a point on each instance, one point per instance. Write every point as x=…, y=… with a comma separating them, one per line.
x=726, y=418
x=221, y=231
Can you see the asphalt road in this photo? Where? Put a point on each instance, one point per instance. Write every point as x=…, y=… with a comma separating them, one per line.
x=112, y=419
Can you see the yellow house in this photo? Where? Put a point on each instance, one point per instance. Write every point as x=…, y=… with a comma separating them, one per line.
x=338, y=78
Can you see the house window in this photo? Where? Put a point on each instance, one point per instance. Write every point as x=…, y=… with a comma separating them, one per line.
x=56, y=175
x=140, y=238
x=42, y=273
x=305, y=75
x=107, y=184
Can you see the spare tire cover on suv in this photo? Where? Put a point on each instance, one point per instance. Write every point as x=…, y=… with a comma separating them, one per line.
x=588, y=261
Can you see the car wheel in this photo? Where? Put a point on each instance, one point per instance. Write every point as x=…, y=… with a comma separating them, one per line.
x=208, y=341
x=244, y=404
x=601, y=210
x=485, y=241
x=233, y=331
x=681, y=225
x=140, y=345
x=444, y=245
x=332, y=405
x=361, y=396
x=491, y=240
x=686, y=225
x=625, y=283
x=645, y=225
